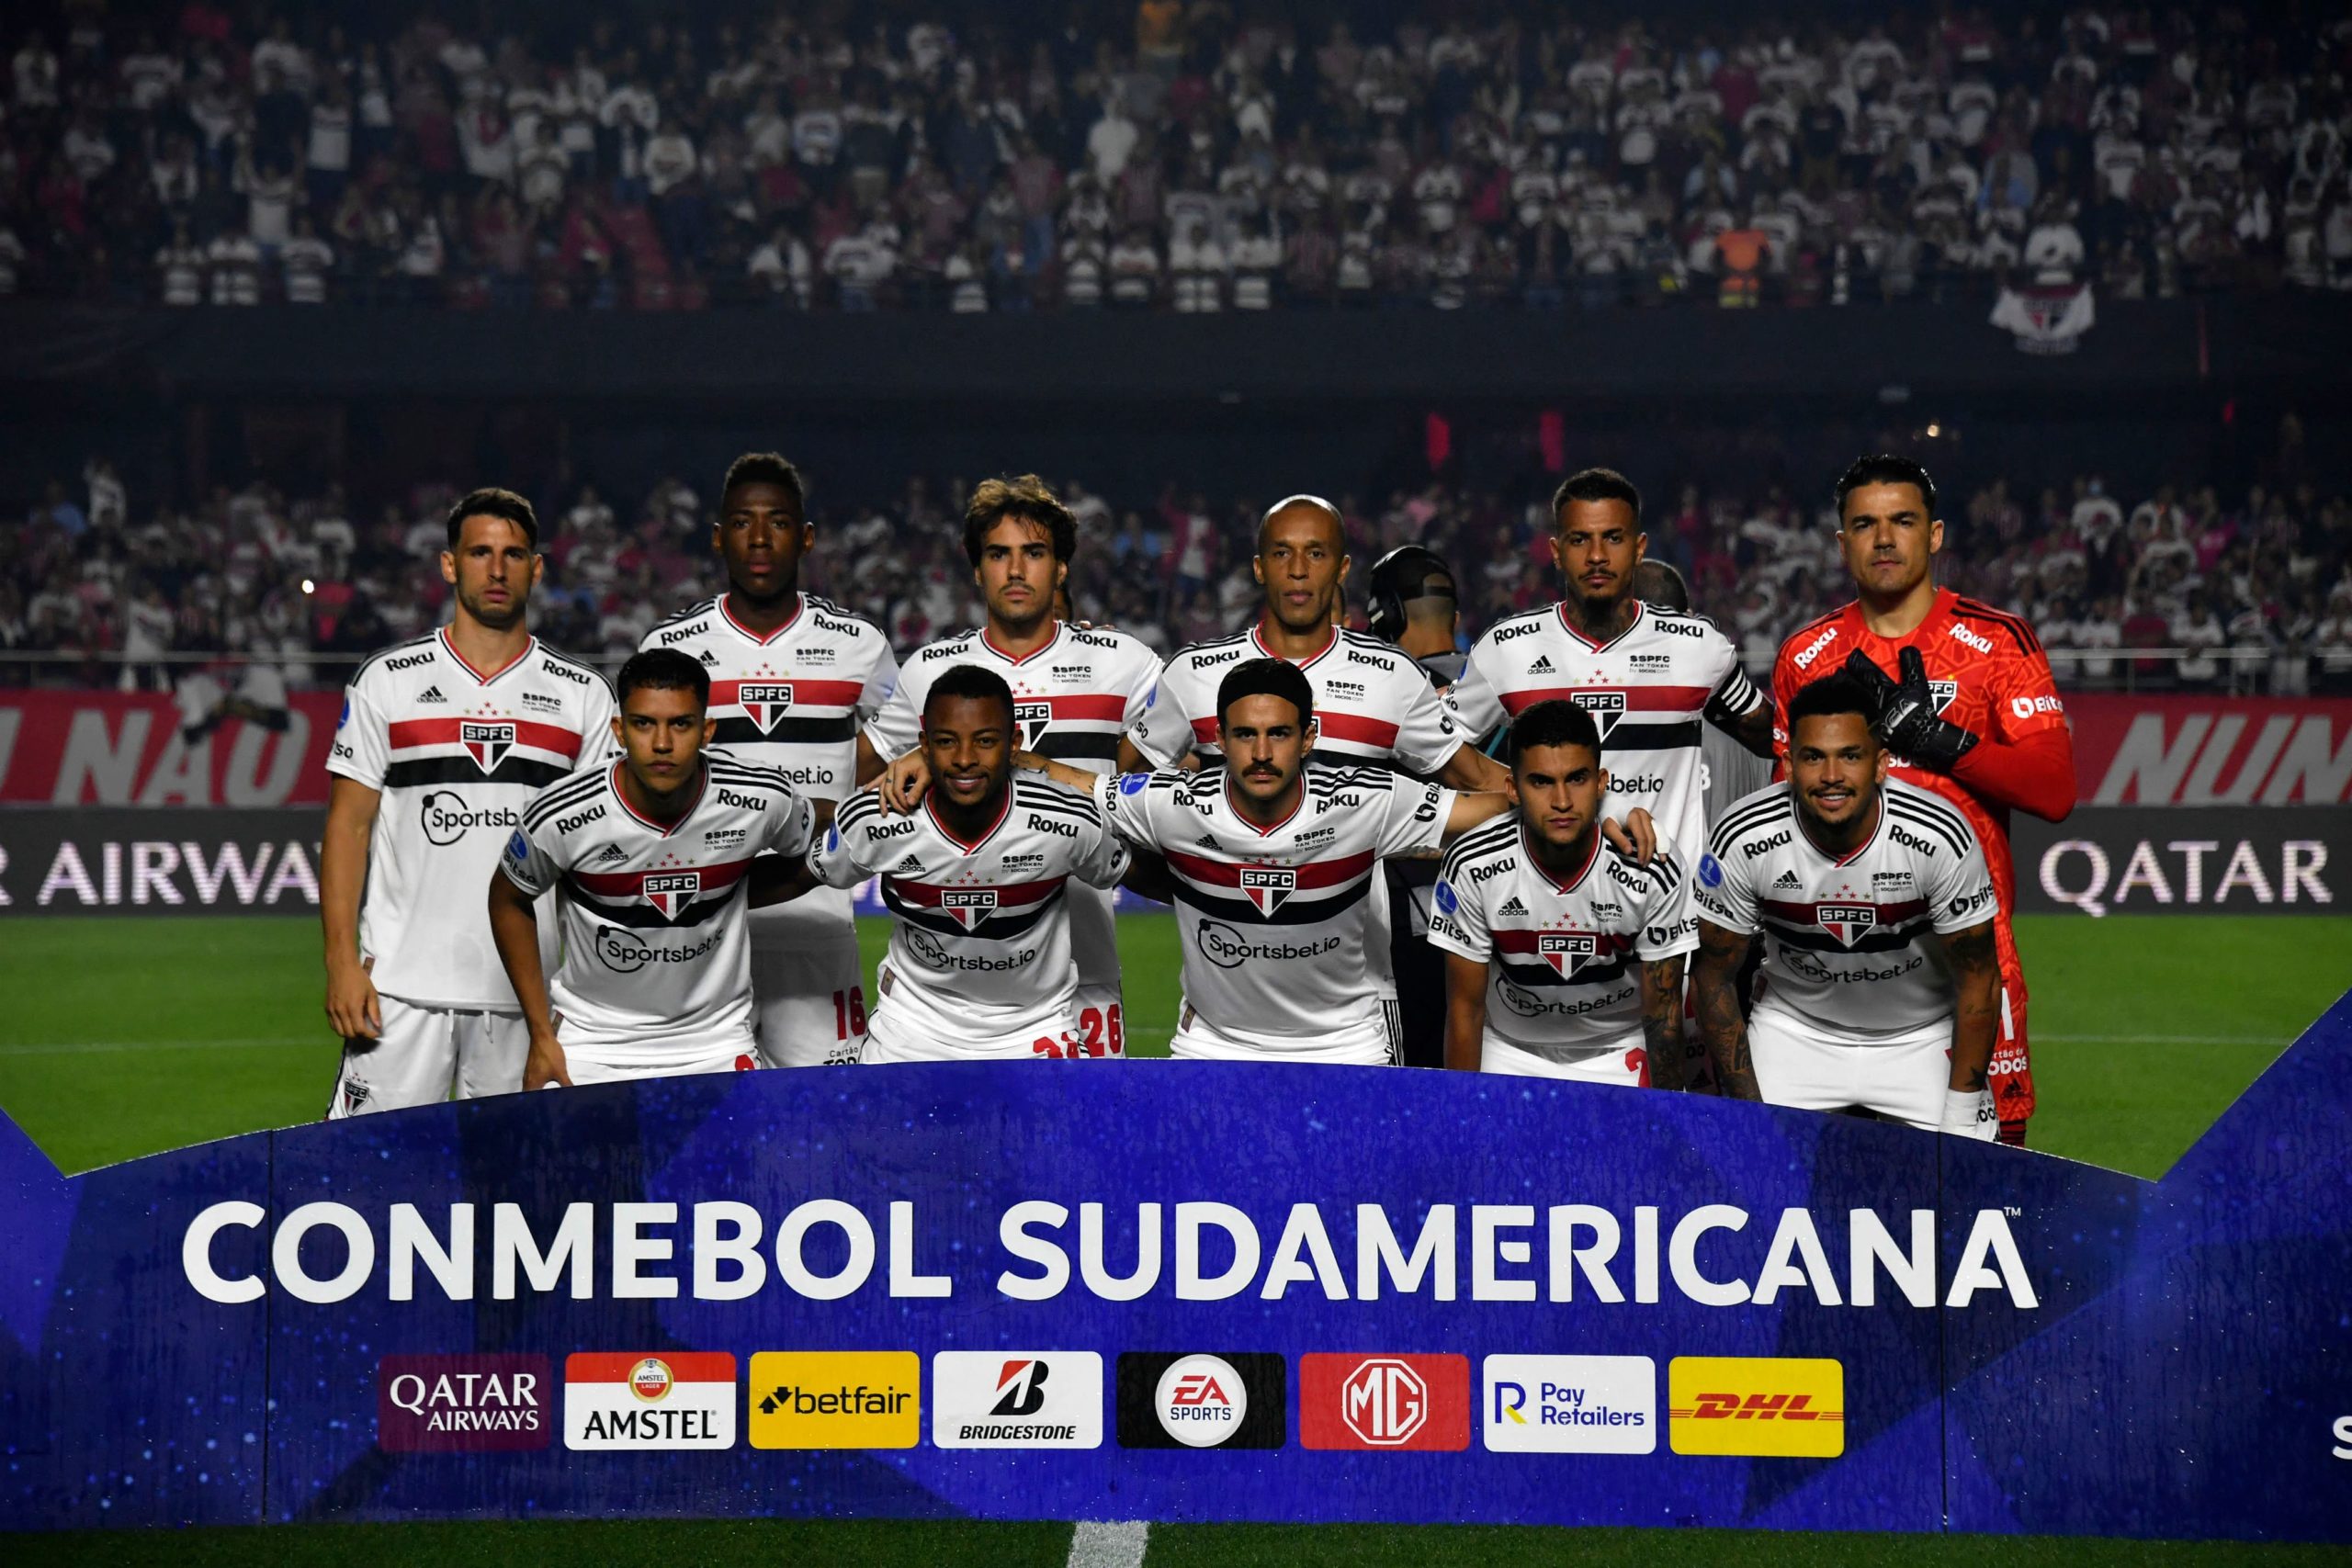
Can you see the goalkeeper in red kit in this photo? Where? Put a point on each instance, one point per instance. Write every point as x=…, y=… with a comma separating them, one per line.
x=1964, y=700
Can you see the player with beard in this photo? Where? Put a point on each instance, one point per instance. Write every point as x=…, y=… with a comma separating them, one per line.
x=1076, y=691
x=1964, y=700
x=792, y=678
x=977, y=881
x=444, y=740
x=1648, y=676
x=1880, y=988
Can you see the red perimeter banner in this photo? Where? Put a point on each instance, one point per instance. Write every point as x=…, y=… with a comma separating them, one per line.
x=127, y=749
x=2212, y=750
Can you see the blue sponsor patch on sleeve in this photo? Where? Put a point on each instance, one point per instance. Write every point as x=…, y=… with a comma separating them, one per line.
x=1448, y=901
x=832, y=840
x=518, y=848
x=1133, y=783
x=1710, y=871
x=346, y=716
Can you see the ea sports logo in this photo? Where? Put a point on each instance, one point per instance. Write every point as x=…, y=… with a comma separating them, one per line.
x=1267, y=886
x=650, y=1380
x=1201, y=1400
x=1030, y=718
x=1566, y=952
x=763, y=703
x=1384, y=1401
x=487, y=744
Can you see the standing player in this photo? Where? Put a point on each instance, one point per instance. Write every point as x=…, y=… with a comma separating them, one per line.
x=1880, y=989
x=977, y=879
x=1962, y=696
x=792, y=676
x=1647, y=676
x=659, y=856
x=1563, y=955
x=1275, y=865
x=443, y=741
x=1075, y=691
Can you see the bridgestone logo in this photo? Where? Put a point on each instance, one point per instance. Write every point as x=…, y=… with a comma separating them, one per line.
x=1013, y=1432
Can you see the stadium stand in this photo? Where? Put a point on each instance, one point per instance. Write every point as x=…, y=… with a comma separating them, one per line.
x=1163, y=156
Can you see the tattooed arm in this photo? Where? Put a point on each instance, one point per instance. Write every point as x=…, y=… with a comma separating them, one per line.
x=1715, y=987
x=1662, y=1023
x=1976, y=977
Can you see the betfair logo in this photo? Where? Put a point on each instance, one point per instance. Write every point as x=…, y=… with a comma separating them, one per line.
x=835, y=1399
x=1761, y=1406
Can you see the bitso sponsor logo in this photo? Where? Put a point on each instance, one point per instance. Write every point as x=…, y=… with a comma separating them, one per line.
x=836, y=1399
x=470, y=1404
x=1569, y=1404
x=676, y=1399
x=990, y=1399
x=1406, y=1403
x=1757, y=1405
x=1198, y=1400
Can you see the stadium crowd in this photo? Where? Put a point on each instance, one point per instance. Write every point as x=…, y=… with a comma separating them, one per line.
x=2256, y=588
x=1164, y=154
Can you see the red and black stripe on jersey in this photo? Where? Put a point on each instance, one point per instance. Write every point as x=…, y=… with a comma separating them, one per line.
x=621, y=897
x=1894, y=924
x=1260, y=893
x=512, y=739
x=1098, y=747
x=1630, y=719
x=768, y=713
x=1013, y=907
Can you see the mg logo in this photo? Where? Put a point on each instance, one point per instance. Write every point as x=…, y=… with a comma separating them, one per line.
x=1848, y=923
x=1385, y=1403
x=763, y=703
x=1606, y=707
x=1030, y=718
x=968, y=905
x=487, y=744
x=1566, y=952
x=672, y=891
x=1267, y=886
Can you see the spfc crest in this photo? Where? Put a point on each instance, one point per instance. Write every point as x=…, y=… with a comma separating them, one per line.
x=671, y=891
x=968, y=907
x=764, y=701
x=1848, y=923
x=487, y=743
x=1606, y=707
x=1566, y=952
x=1267, y=886
x=1031, y=718
x=1943, y=692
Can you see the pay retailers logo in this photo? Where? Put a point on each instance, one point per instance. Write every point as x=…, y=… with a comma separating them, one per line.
x=1569, y=1405
x=677, y=1399
x=1759, y=1405
x=836, y=1399
x=1016, y=1399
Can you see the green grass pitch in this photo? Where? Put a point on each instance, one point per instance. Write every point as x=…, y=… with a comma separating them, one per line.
x=122, y=1037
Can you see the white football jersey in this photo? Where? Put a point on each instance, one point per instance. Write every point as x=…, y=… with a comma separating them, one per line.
x=456, y=753
x=792, y=701
x=1647, y=689
x=656, y=948
x=980, y=932
x=1562, y=956
x=1279, y=945
x=1071, y=700
x=1847, y=945
x=1373, y=704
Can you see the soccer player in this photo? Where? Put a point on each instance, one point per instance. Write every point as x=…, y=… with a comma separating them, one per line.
x=1880, y=988
x=659, y=857
x=1075, y=693
x=977, y=879
x=444, y=740
x=1647, y=676
x=792, y=677
x=1563, y=955
x=1274, y=860
x=1727, y=769
x=1963, y=698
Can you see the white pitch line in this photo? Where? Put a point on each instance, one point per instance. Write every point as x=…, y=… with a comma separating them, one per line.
x=46, y=1050
x=1095, y=1544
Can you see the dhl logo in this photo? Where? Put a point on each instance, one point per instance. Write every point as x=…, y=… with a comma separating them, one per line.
x=1764, y=1406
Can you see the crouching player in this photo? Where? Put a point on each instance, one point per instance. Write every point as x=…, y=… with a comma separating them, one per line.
x=1563, y=954
x=1880, y=989
x=661, y=856
x=976, y=881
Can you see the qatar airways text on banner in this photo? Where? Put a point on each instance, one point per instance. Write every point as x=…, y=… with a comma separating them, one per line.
x=134, y=748
x=2212, y=750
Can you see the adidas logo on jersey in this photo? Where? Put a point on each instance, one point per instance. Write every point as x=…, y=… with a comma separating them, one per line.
x=910, y=867
x=609, y=853
x=431, y=695
x=710, y=658
x=1788, y=879
x=1511, y=906
x=1542, y=665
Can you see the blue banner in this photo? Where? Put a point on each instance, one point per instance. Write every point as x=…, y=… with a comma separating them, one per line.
x=1187, y=1291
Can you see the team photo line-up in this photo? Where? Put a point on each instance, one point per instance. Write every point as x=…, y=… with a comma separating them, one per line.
x=1550, y=856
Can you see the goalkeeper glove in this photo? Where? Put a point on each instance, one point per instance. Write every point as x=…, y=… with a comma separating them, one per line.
x=1971, y=1113
x=1907, y=722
